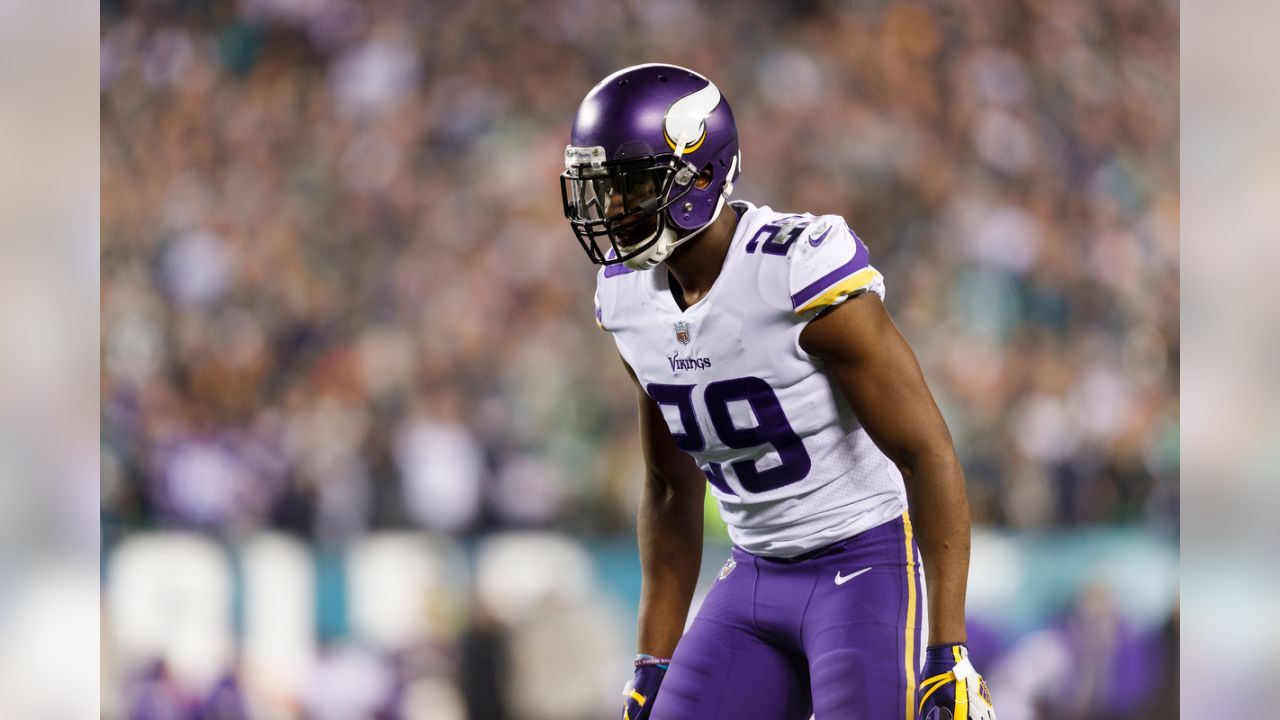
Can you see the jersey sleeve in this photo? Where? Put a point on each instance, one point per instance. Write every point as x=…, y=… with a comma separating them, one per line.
x=830, y=264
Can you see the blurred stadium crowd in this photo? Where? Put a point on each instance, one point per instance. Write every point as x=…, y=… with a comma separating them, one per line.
x=339, y=296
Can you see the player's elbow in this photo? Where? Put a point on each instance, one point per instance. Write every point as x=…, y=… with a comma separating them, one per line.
x=935, y=460
x=674, y=488
x=658, y=486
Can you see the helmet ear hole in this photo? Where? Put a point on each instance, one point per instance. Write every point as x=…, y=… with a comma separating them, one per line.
x=703, y=181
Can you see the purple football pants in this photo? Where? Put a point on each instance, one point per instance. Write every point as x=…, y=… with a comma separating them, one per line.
x=835, y=632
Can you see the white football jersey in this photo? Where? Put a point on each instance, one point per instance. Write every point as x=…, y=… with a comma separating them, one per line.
x=787, y=460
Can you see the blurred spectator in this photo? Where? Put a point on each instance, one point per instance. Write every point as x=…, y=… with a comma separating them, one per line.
x=1093, y=665
x=353, y=682
x=156, y=694
x=484, y=665
x=442, y=469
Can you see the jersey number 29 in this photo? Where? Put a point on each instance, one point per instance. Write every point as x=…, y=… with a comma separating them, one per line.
x=771, y=428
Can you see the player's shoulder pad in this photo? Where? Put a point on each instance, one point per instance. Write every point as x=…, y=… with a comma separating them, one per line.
x=599, y=311
x=609, y=280
x=829, y=264
x=605, y=293
x=614, y=284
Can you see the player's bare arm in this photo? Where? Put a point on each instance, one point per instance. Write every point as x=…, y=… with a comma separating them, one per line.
x=669, y=531
x=878, y=374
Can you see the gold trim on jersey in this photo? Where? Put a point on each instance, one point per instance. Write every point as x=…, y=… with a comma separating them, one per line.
x=851, y=284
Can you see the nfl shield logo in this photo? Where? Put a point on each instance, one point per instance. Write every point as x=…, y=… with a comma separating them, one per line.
x=682, y=332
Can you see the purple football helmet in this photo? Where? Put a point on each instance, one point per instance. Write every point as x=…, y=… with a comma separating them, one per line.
x=640, y=140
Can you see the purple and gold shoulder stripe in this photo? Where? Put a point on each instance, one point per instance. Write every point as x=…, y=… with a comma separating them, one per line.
x=841, y=282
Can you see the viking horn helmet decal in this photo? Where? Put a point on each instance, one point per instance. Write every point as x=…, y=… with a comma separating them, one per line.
x=685, y=123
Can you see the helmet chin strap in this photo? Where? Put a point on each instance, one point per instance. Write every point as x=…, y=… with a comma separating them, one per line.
x=668, y=241
x=656, y=252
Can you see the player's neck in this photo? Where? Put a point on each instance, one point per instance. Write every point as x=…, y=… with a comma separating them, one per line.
x=696, y=264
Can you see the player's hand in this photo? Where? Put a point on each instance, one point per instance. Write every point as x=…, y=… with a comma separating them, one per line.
x=638, y=695
x=951, y=689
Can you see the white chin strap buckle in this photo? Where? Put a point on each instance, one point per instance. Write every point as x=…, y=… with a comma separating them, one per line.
x=655, y=253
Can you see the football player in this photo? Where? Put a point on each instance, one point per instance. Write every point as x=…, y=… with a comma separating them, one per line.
x=767, y=367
